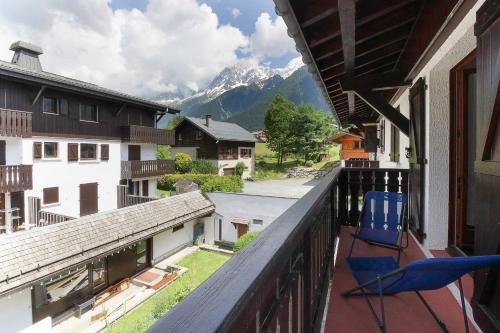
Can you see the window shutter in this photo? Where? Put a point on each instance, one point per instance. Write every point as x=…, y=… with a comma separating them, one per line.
x=37, y=150
x=50, y=195
x=105, y=152
x=72, y=151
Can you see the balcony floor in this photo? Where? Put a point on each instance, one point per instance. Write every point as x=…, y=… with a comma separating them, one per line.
x=404, y=312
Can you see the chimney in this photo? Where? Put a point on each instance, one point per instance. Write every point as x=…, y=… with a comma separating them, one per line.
x=26, y=55
x=208, y=120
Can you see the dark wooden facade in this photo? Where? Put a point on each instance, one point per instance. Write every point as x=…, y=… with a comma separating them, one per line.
x=116, y=120
x=150, y=168
x=187, y=135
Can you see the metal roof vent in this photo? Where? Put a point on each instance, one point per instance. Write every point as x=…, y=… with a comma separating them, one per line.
x=26, y=55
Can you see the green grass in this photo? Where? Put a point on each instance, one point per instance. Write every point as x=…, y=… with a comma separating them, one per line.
x=162, y=193
x=200, y=264
x=261, y=150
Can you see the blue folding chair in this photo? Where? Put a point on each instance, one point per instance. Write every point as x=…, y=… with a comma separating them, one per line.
x=383, y=276
x=383, y=220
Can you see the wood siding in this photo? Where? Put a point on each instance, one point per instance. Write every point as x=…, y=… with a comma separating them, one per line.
x=15, y=178
x=151, y=168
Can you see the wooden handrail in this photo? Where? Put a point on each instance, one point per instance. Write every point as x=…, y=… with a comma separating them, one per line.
x=125, y=199
x=15, y=123
x=15, y=178
x=145, y=134
x=146, y=168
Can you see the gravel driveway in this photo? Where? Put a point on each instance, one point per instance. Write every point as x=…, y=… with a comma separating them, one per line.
x=290, y=188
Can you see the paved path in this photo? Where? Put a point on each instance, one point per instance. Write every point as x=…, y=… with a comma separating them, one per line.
x=290, y=188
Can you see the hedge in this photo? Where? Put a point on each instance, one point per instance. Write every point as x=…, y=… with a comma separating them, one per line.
x=244, y=240
x=183, y=163
x=206, y=182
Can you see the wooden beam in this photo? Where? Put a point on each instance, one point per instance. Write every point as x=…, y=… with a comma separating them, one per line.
x=161, y=116
x=376, y=81
x=384, y=108
x=124, y=105
x=319, y=17
x=347, y=17
x=40, y=91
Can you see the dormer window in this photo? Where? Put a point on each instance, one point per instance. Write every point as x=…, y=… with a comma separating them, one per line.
x=49, y=105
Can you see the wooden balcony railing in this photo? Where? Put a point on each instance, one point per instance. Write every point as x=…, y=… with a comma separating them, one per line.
x=145, y=134
x=125, y=199
x=149, y=168
x=279, y=281
x=361, y=164
x=15, y=178
x=15, y=123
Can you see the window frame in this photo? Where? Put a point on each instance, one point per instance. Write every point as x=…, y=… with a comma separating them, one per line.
x=56, y=104
x=57, y=150
x=81, y=106
x=245, y=155
x=82, y=157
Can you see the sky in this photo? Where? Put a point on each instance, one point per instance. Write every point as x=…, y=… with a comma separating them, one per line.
x=147, y=47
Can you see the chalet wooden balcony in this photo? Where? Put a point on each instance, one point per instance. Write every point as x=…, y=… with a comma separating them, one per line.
x=148, y=168
x=15, y=123
x=15, y=178
x=145, y=134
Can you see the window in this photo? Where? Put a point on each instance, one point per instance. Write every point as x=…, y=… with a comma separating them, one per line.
x=141, y=254
x=179, y=137
x=49, y=105
x=50, y=149
x=88, y=151
x=133, y=187
x=178, y=227
x=99, y=272
x=50, y=195
x=198, y=135
x=88, y=112
x=245, y=153
x=61, y=285
x=257, y=221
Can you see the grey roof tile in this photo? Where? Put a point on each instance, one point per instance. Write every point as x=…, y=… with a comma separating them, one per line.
x=220, y=130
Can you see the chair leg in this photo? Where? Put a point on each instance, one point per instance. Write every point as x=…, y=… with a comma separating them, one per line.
x=382, y=310
x=462, y=299
x=440, y=323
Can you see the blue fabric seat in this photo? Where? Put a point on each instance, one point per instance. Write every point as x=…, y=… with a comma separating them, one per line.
x=383, y=276
x=382, y=220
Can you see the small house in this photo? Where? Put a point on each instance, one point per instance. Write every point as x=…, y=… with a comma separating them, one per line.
x=352, y=146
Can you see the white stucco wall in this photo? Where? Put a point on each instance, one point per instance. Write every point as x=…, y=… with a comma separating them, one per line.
x=436, y=73
x=15, y=311
x=168, y=242
x=249, y=163
x=148, y=151
x=68, y=176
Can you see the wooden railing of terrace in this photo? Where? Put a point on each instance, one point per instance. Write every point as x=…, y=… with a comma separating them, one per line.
x=279, y=281
x=149, y=168
x=15, y=123
x=361, y=164
x=145, y=134
x=125, y=199
x=15, y=178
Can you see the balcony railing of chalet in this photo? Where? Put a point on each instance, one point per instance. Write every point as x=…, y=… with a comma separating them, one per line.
x=352, y=163
x=145, y=134
x=15, y=178
x=150, y=168
x=125, y=199
x=15, y=123
x=279, y=281
x=48, y=218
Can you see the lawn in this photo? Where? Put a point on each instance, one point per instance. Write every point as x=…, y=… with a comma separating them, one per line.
x=162, y=193
x=200, y=264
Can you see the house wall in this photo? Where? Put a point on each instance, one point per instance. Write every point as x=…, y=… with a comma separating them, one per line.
x=206, y=146
x=148, y=151
x=15, y=313
x=69, y=175
x=168, y=242
x=436, y=73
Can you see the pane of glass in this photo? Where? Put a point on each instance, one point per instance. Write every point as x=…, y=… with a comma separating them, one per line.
x=140, y=247
x=141, y=261
x=50, y=149
x=65, y=284
x=88, y=151
x=98, y=272
x=49, y=105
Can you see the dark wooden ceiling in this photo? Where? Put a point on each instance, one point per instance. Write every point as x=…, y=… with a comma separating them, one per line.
x=385, y=36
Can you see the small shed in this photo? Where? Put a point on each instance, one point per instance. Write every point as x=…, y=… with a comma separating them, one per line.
x=352, y=146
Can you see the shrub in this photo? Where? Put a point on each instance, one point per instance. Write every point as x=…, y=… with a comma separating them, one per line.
x=244, y=240
x=204, y=167
x=308, y=163
x=183, y=162
x=167, y=182
x=239, y=169
x=261, y=164
x=223, y=184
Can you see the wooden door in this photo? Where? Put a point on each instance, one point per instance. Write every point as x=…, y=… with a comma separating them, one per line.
x=228, y=171
x=242, y=229
x=88, y=199
x=2, y=153
x=486, y=298
x=417, y=158
x=134, y=153
x=17, y=201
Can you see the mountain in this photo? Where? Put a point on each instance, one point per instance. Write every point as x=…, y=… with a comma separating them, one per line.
x=242, y=93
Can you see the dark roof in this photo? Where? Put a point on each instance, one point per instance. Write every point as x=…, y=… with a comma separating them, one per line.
x=58, y=81
x=339, y=135
x=221, y=130
x=29, y=256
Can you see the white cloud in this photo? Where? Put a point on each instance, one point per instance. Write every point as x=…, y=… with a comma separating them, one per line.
x=270, y=38
x=235, y=12
x=174, y=45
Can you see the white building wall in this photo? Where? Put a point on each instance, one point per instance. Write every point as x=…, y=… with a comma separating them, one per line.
x=168, y=242
x=249, y=163
x=51, y=172
x=436, y=73
x=148, y=151
x=15, y=311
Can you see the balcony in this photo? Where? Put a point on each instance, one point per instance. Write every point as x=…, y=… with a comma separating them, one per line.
x=149, y=168
x=15, y=123
x=281, y=280
x=125, y=199
x=14, y=178
x=145, y=134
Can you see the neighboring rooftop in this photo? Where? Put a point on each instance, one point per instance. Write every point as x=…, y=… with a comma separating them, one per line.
x=30, y=256
x=26, y=65
x=221, y=130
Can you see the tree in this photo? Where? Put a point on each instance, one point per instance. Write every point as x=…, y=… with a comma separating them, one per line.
x=312, y=131
x=163, y=152
x=278, y=126
x=174, y=122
